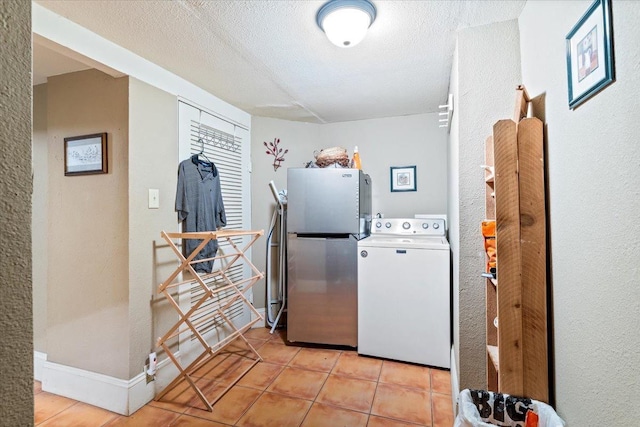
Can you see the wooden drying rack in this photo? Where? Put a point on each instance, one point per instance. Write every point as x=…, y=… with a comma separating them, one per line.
x=214, y=285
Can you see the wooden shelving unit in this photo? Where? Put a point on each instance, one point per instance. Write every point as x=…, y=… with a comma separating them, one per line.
x=517, y=356
x=219, y=293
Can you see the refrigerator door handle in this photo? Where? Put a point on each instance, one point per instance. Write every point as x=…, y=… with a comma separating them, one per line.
x=321, y=236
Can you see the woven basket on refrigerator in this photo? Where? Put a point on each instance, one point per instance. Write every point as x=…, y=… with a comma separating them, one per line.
x=328, y=156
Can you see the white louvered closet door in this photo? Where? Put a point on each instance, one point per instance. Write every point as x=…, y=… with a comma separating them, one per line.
x=227, y=145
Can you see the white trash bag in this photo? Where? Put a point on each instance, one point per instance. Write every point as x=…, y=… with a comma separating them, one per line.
x=481, y=408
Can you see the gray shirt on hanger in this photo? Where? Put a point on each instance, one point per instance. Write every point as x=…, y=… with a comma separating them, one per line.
x=199, y=206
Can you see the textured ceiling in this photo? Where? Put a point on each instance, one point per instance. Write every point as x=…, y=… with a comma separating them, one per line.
x=268, y=57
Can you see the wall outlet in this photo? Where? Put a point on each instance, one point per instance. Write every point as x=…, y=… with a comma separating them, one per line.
x=150, y=367
x=153, y=362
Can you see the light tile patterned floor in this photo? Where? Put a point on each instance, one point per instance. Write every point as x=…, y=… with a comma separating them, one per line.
x=293, y=386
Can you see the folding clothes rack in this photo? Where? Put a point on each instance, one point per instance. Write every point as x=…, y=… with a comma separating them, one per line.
x=220, y=292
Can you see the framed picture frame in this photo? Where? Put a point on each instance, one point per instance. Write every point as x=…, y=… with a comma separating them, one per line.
x=85, y=155
x=403, y=178
x=589, y=47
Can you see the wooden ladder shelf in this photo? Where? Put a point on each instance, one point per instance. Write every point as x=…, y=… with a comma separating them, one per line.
x=516, y=310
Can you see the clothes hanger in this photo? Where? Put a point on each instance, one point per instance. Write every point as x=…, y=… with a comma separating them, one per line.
x=204, y=160
x=196, y=157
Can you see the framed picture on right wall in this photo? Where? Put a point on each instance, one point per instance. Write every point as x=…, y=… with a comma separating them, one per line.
x=589, y=47
x=403, y=178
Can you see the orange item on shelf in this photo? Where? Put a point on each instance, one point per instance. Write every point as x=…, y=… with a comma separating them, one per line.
x=489, y=234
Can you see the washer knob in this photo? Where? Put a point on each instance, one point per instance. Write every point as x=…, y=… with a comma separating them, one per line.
x=406, y=225
x=388, y=225
x=378, y=224
x=425, y=225
x=436, y=225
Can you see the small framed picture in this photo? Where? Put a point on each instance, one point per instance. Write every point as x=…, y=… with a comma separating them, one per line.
x=403, y=178
x=589, y=48
x=85, y=155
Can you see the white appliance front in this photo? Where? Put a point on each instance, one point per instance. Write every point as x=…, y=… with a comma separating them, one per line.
x=404, y=299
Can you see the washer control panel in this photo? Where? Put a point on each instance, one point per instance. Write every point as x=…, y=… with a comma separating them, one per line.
x=409, y=226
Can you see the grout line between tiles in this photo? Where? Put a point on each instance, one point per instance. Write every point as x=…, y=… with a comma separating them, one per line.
x=307, y=413
x=431, y=406
x=248, y=407
x=375, y=393
x=288, y=364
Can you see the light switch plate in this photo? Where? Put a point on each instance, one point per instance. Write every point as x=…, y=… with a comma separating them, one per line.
x=154, y=198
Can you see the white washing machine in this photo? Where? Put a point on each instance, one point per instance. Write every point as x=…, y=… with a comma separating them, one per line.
x=404, y=296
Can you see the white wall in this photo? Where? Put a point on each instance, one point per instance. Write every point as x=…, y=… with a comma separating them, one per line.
x=488, y=70
x=398, y=141
x=299, y=138
x=153, y=150
x=453, y=213
x=594, y=198
x=395, y=141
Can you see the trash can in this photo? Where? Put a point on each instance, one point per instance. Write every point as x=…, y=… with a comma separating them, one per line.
x=481, y=408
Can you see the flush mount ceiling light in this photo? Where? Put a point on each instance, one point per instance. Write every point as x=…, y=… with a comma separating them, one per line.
x=345, y=22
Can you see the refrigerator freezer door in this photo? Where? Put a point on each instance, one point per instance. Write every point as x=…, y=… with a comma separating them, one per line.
x=322, y=290
x=323, y=200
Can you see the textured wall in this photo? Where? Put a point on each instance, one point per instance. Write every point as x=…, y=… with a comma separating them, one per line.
x=16, y=350
x=39, y=234
x=153, y=163
x=453, y=211
x=488, y=73
x=88, y=287
x=148, y=135
x=594, y=197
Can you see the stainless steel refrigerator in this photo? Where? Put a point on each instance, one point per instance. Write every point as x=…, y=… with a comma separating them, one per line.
x=329, y=210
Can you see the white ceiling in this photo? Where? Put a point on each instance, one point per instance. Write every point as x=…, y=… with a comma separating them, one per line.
x=269, y=58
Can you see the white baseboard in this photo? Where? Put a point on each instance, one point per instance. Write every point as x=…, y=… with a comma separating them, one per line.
x=38, y=363
x=121, y=396
x=455, y=386
x=116, y=395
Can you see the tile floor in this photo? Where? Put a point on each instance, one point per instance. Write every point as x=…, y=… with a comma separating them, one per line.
x=292, y=386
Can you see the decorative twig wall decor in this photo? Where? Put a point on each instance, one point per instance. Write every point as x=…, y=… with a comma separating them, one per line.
x=277, y=153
